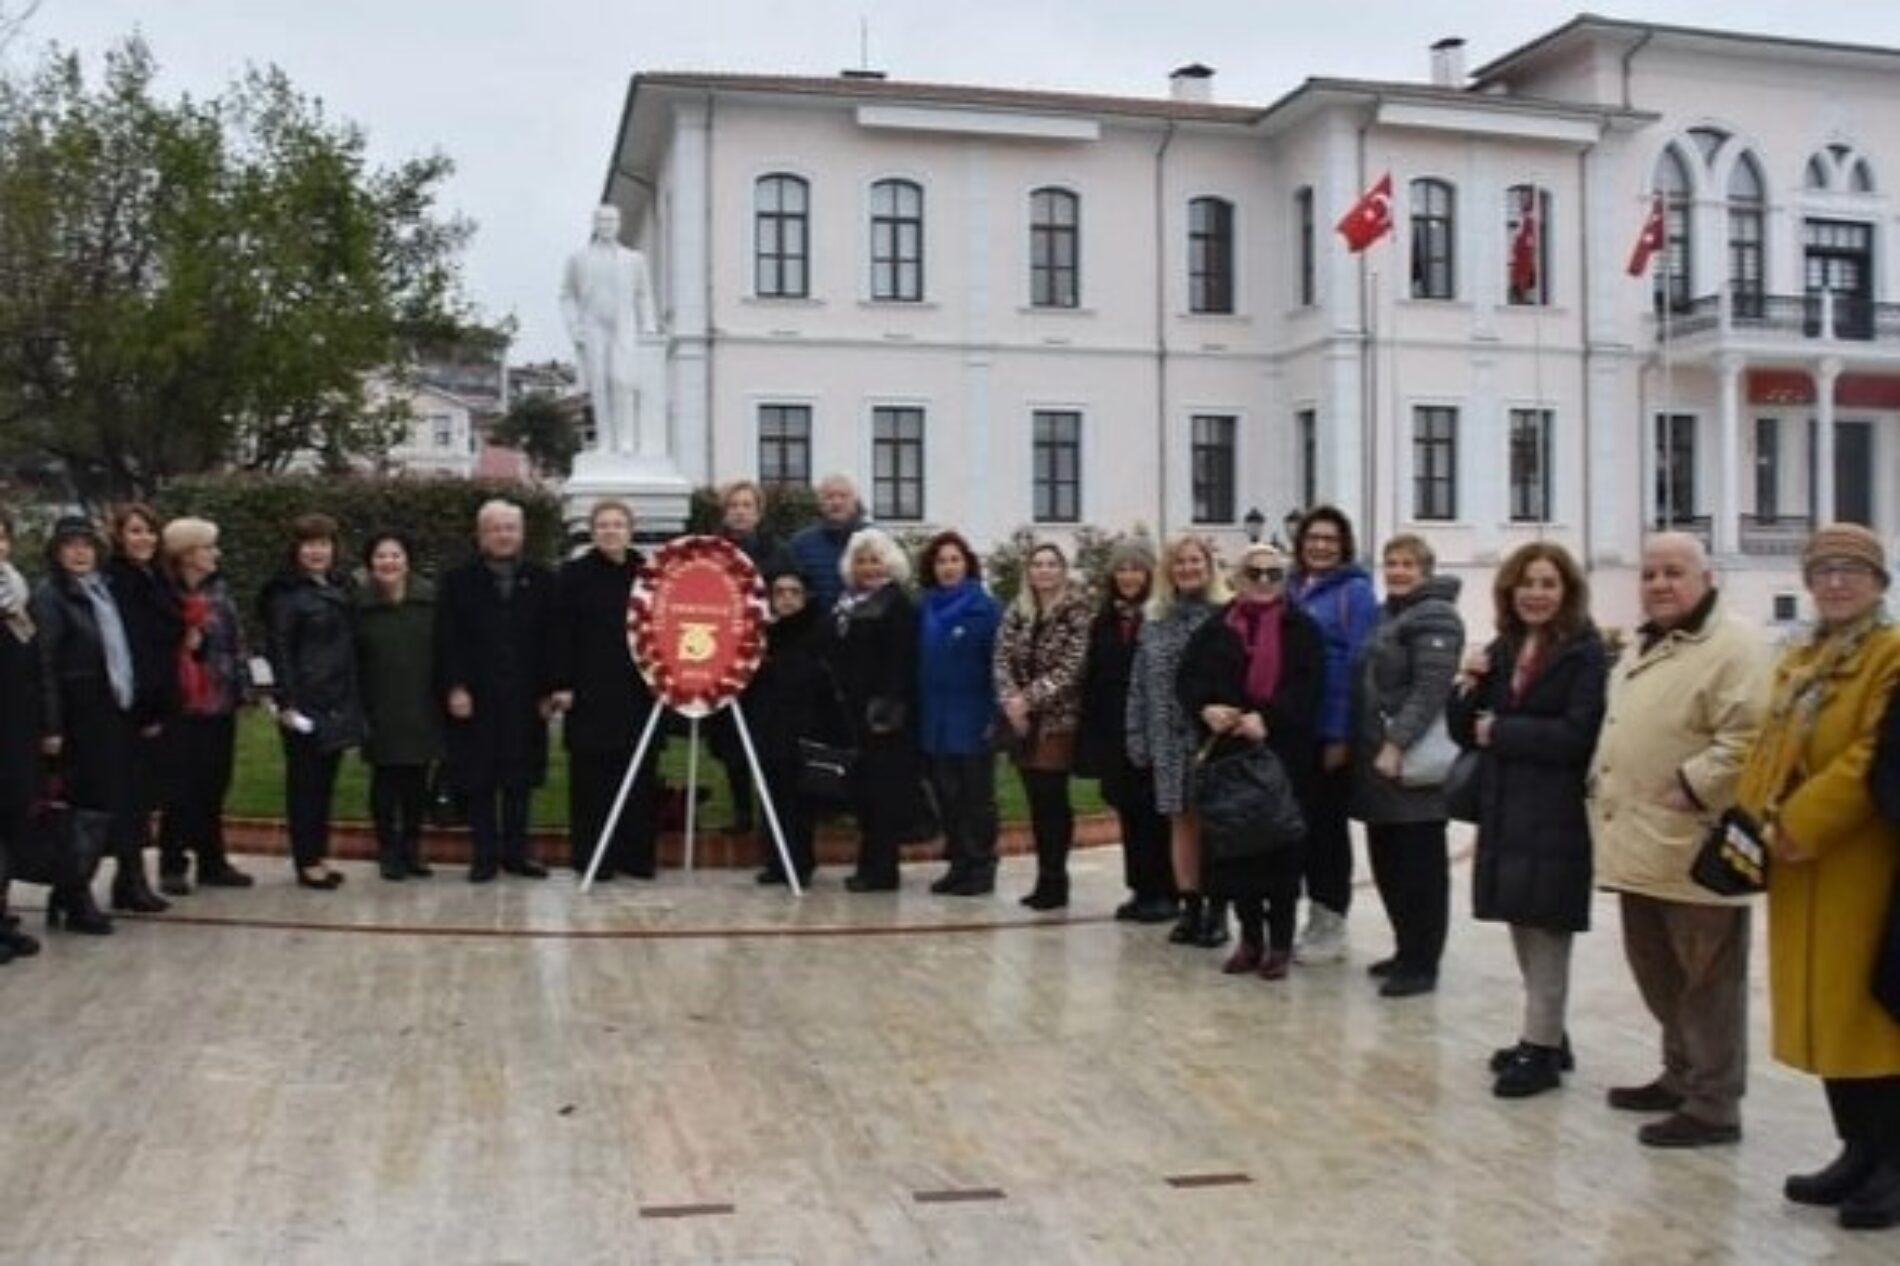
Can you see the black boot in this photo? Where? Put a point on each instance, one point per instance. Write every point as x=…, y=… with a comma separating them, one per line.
x=1050, y=894
x=1875, y=1204
x=1213, y=930
x=1531, y=1070
x=1188, y=926
x=73, y=906
x=412, y=861
x=1837, y=1180
x=130, y=891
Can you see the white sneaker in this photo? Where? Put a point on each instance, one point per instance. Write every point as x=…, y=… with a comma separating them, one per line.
x=1324, y=940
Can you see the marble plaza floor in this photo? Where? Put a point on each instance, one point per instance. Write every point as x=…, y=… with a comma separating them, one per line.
x=701, y=1071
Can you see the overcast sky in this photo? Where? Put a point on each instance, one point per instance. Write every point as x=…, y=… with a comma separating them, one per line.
x=525, y=95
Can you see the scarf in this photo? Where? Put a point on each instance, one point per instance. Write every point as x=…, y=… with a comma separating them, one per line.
x=1258, y=624
x=118, y=649
x=13, y=611
x=942, y=608
x=1128, y=617
x=197, y=686
x=1526, y=663
x=1799, y=696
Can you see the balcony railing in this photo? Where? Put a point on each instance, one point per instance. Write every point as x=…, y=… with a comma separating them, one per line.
x=1775, y=534
x=1825, y=315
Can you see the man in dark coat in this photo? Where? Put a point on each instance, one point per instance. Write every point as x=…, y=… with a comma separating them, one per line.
x=818, y=548
x=496, y=669
x=607, y=703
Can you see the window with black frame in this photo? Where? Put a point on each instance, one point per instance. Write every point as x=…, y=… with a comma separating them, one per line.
x=1055, y=228
x=897, y=241
x=1212, y=467
x=781, y=237
x=785, y=445
x=1210, y=255
x=1434, y=463
x=1434, y=229
x=1530, y=465
x=1306, y=290
x=897, y=463
x=1747, y=215
x=1056, y=464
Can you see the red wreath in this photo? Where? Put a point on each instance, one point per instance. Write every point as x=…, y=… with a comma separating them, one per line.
x=733, y=641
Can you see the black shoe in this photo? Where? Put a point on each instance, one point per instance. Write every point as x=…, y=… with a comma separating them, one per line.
x=1651, y=1098
x=945, y=884
x=417, y=868
x=1212, y=932
x=1531, y=1070
x=1875, y=1206
x=526, y=868
x=1187, y=923
x=1156, y=910
x=19, y=944
x=324, y=880
x=393, y=869
x=483, y=872
x=1837, y=1180
x=1050, y=898
x=769, y=877
x=864, y=883
x=1679, y=1129
x=78, y=913
x=225, y=876
x=1501, y=1057
x=1386, y=966
x=1403, y=983
x=138, y=898
x=174, y=884
x=1129, y=911
x=974, y=884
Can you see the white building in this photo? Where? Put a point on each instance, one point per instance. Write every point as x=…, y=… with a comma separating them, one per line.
x=443, y=436
x=996, y=306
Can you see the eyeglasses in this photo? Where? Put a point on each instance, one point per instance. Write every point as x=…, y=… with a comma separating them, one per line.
x=788, y=591
x=1840, y=569
x=1258, y=574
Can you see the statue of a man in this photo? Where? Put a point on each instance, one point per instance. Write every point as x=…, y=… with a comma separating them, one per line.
x=607, y=303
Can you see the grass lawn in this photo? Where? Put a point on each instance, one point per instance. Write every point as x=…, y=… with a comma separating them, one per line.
x=257, y=787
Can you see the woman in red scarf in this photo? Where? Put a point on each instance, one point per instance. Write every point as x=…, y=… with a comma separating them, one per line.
x=1254, y=674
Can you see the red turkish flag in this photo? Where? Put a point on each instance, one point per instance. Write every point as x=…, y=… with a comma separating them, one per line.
x=1524, y=245
x=1370, y=218
x=1652, y=239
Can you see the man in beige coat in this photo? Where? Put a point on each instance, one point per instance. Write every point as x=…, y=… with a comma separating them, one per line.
x=1686, y=698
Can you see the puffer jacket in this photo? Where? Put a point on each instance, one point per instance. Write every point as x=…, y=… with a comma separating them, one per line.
x=312, y=649
x=1401, y=683
x=1682, y=713
x=1342, y=604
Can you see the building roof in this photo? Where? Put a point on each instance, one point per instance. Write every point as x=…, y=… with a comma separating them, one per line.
x=1587, y=24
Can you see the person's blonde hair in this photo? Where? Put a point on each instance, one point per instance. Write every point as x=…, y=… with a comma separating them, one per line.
x=1026, y=604
x=1165, y=595
x=738, y=486
x=1415, y=545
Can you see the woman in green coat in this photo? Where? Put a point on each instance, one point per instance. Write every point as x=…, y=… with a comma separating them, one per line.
x=395, y=651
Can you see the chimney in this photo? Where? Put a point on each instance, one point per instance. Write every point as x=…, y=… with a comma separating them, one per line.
x=1192, y=82
x=1448, y=63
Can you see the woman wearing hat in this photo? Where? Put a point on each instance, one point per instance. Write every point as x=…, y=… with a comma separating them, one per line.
x=1833, y=870
x=88, y=690
x=19, y=730
x=208, y=666
x=1102, y=740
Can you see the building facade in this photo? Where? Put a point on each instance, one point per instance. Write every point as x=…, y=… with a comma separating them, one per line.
x=998, y=307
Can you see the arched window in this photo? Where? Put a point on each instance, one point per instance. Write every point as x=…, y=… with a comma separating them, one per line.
x=1861, y=178
x=1709, y=140
x=1527, y=245
x=1434, y=226
x=1818, y=176
x=781, y=232
x=1210, y=255
x=1055, y=226
x=897, y=241
x=1747, y=211
x=1677, y=188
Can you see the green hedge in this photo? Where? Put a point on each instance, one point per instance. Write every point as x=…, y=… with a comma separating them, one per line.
x=254, y=513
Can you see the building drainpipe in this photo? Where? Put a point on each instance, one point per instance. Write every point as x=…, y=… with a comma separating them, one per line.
x=1161, y=335
x=1589, y=351
x=1368, y=366
x=1629, y=59
x=712, y=475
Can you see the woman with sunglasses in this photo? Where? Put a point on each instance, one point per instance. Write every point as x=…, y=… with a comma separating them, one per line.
x=1254, y=674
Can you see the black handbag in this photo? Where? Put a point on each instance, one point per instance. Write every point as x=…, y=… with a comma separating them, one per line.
x=1245, y=801
x=1733, y=859
x=1464, y=785
x=824, y=771
x=59, y=844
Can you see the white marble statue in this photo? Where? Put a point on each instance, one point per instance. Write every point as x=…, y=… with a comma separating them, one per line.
x=607, y=302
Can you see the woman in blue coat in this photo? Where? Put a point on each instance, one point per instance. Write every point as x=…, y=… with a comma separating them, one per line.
x=956, y=704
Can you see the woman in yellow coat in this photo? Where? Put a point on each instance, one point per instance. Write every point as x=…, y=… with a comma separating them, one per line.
x=1833, y=870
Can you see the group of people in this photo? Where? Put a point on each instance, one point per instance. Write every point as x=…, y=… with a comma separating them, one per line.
x=1586, y=765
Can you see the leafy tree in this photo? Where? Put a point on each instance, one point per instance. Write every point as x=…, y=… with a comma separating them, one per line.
x=543, y=429
x=186, y=284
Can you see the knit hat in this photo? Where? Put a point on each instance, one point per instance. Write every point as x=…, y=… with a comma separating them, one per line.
x=1846, y=540
x=73, y=527
x=183, y=535
x=1132, y=551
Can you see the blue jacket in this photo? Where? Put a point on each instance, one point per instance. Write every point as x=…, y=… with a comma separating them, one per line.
x=1342, y=603
x=816, y=550
x=956, y=693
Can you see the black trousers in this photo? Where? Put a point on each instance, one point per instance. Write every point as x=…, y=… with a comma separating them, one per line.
x=1412, y=868
x=1147, y=867
x=884, y=792
x=1329, y=840
x=1052, y=822
x=198, y=761
x=399, y=805
x=309, y=788
x=99, y=762
x=1266, y=897
x=593, y=780
x=498, y=823
x=1867, y=1110
x=965, y=788
x=794, y=819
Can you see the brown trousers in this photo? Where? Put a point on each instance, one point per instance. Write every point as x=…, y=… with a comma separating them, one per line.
x=1691, y=964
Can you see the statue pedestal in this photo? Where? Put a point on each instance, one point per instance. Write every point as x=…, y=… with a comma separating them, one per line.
x=653, y=486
